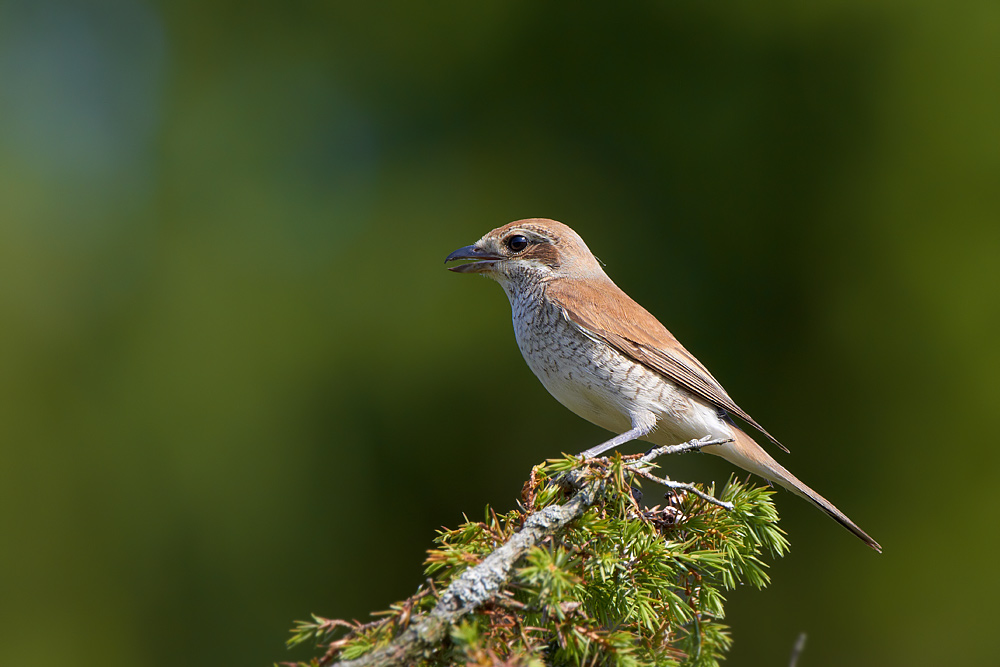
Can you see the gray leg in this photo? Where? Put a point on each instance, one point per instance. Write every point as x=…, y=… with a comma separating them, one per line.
x=642, y=424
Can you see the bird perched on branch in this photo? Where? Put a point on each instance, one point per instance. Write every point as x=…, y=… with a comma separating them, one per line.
x=604, y=357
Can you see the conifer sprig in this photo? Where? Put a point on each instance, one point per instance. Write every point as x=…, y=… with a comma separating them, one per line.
x=611, y=582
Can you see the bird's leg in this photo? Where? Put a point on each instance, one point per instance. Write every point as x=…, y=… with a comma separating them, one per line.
x=627, y=436
x=642, y=424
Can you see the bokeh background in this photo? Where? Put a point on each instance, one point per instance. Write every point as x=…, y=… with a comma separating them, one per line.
x=237, y=385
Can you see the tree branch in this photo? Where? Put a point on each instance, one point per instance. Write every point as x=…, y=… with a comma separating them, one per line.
x=481, y=583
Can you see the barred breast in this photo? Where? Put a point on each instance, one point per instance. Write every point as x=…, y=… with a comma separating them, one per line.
x=596, y=381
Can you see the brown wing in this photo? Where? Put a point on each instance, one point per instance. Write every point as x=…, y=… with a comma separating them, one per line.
x=605, y=311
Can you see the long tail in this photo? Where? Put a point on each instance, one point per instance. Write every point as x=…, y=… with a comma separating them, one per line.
x=747, y=454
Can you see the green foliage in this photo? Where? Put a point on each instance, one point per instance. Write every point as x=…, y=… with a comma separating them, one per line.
x=624, y=585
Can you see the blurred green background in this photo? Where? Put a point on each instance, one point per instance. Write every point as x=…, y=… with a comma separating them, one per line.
x=238, y=385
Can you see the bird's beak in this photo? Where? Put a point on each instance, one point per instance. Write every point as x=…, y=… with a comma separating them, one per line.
x=483, y=260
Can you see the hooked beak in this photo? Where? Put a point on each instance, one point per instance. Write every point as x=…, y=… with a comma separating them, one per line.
x=484, y=261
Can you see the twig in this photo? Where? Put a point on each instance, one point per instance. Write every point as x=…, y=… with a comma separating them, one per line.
x=689, y=446
x=670, y=484
x=800, y=645
x=638, y=466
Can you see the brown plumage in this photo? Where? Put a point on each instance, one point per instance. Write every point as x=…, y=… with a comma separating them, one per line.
x=607, y=359
x=629, y=328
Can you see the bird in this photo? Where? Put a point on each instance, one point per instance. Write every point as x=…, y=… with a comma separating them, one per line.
x=611, y=362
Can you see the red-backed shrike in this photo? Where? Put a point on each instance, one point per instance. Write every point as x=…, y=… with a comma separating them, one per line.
x=604, y=357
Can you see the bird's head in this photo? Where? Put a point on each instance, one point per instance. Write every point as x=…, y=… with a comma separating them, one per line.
x=531, y=250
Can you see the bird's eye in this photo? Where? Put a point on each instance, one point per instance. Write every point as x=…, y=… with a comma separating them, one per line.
x=517, y=243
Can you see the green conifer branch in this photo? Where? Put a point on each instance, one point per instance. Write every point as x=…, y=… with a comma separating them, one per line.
x=580, y=572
